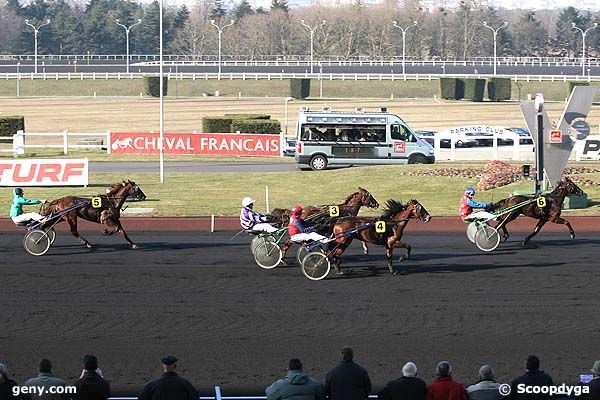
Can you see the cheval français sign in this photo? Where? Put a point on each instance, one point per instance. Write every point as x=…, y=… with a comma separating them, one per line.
x=200, y=143
x=44, y=173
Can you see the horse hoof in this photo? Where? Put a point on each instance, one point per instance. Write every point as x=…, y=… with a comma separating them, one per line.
x=135, y=246
x=88, y=245
x=572, y=236
x=403, y=258
x=340, y=272
x=365, y=252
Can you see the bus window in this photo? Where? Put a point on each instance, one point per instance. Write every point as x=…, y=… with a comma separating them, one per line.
x=399, y=132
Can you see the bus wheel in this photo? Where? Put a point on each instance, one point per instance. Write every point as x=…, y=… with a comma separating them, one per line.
x=417, y=159
x=318, y=163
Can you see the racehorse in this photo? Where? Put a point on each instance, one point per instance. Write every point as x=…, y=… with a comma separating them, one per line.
x=108, y=212
x=551, y=212
x=395, y=218
x=350, y=207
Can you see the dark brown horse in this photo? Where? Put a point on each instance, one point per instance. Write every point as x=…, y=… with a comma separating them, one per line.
x=550, y=212
x=107, y=212
x=395, y=218
x=350, y=207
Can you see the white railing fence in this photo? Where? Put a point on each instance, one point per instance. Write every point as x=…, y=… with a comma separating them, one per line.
x=287, y=75
x=98, y=141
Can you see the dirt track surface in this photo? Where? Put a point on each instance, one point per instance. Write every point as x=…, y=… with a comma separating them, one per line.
x=201, y=297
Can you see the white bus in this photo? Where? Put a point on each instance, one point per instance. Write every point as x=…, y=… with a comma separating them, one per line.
x=376, y=137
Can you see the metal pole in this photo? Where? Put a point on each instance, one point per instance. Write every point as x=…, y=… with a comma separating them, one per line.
x=495, y=32
x=404, y=31
x=539, y=143
x=583, y=34
x=495, y=51
x=161, y=100
x=35, y=35
x=18, y=80
x=286, y=115
x=220, y=33
x=127, y=45
x=312, y=35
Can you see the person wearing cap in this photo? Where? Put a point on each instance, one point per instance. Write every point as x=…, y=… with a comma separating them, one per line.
x=46, y=380
x=486, y=387
x=347, y=380
x=532, y=377
x=467, y=204
x=444, y=388
x=301, y=230
x=250, y=220
x=296, y=385
x=16, y=209
x=6, y=384
x=170, y=385
x=408, y=387
x=91, y=385
x=594, y=384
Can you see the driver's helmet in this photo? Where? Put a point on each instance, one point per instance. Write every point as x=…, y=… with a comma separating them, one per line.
x=19, y=191
x=246, y=201
x=296, y=210
x=470, y=191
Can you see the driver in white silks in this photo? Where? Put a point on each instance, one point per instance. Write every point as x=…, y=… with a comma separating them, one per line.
x=250, y=220
x=16, y=209
x=467, y=204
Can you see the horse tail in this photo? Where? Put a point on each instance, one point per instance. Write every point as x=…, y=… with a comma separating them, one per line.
x=496, y=205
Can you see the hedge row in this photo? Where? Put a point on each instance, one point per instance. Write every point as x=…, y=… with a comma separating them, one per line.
x=259, y=126
x=474, y=89
x=152, y=86
x=299, y=88
x=10, y=125
x=245, y=123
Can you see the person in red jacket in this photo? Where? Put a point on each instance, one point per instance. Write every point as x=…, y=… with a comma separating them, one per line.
x=444, y=388
x=467, y=204
x=301, y=230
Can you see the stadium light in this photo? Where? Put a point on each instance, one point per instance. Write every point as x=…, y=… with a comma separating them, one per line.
x=495, y=31
x=35, y=39
x=583, y=34
x=127, y=29
x=220, y=30
x=404, y=30
x=312, y=38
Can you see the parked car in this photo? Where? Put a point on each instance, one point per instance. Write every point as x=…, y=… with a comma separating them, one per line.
x=461, y=140
x=523, y=133
x=290, y=148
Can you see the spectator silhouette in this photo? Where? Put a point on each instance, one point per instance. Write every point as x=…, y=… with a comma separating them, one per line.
x=6, y=384
x=444, y=388
x=46, y=380
x=296, y=385
x=91, y=385
x=594, y=384
x=170, y=385
x=532, y=377
x=486, y=387
x=408, y=387
x=348, y=380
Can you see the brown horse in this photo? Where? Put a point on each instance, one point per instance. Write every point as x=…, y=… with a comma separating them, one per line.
x=108, y=213
x=550, y=212
x=395, y=218
x=350, y=207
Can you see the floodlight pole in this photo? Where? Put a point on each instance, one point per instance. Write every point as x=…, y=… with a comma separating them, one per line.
x=220, y=30
x=495, y=31
x=404, y=30
x=161, y=99
x=583, y=34
x=127, y=29
x=287, y=99
x=35, y=39
x=312, y=39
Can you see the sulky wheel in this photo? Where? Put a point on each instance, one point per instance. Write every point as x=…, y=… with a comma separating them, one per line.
x=315, y=266
x=51, y=234
x=487, y=238
x=472, y=229
x=301, y=253
x=258, y=239
x=268, y=255
x=36, y=242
